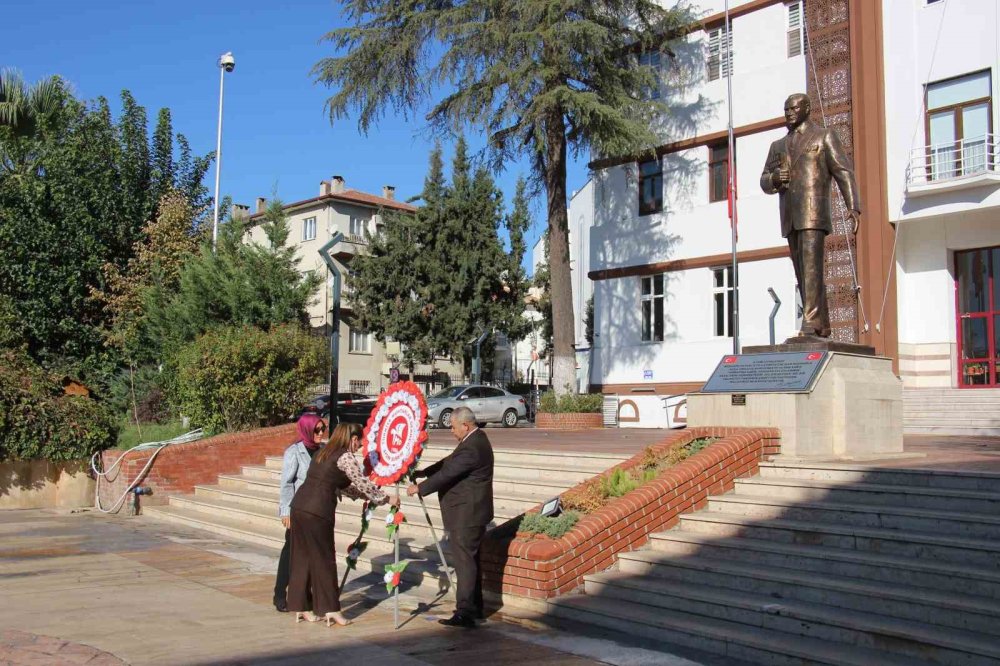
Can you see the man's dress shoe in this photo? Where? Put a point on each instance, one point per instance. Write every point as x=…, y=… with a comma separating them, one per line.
x=457, y=620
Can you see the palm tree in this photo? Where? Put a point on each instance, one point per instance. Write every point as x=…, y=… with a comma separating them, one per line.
x=21, y=106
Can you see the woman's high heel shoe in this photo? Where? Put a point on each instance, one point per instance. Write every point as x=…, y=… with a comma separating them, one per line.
x=337, y=618
x=308, y=616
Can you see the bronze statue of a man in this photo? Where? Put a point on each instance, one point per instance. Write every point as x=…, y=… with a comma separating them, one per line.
x=799, y=168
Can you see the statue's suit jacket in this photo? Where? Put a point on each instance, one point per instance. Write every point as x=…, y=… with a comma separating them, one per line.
x=813, y=155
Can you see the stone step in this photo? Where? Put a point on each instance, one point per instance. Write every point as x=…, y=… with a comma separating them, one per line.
x=888, y=570
x=526, y=490
x=424, y=569
x=851, y=473
x=592, y=463
x=907, y=603
x=267, y=500
x=564, y=476
x=886, y=517
x=970, y=552
x=348, y=521
x=731, y=639
x=871, y=493
x=952, y=419
x=970, y=431
x=763, y=613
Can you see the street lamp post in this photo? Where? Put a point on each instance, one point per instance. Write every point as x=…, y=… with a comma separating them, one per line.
x=227, y=63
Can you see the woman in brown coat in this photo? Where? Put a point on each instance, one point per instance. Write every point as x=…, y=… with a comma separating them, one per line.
x=333, y=471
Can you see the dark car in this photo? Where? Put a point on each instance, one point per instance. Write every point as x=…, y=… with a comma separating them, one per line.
x=321, y=404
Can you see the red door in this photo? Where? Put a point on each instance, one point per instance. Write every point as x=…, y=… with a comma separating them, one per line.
x=978, y=300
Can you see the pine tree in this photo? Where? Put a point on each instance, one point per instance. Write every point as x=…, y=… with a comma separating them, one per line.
x=239, y=283
x=538, y=77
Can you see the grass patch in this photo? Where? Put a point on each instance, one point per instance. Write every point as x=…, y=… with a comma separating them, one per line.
x=554, y=527
x=151, y=432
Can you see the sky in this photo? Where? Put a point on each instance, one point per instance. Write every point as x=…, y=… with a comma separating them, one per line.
x=276, y=134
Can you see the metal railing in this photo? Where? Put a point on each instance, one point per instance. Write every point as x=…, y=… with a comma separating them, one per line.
x=953, y=159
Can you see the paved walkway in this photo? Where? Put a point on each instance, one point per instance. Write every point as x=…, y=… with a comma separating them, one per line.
x=84, y=588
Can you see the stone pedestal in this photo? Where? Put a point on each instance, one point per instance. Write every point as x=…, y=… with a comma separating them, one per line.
x=854, y=410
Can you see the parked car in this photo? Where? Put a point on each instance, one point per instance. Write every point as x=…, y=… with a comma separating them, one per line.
x=321, y=404
x=488, y=403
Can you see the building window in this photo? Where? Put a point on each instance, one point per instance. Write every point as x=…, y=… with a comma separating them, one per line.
x=652, y=308
x=357, y=227
x=795, y=29
x=722, y=301
x=309, y=229
x=958, y=125
x=720, y=52
x=360, y=342
x=653, y=60
x=650, y=187
x=362, y=386
x=718, y=172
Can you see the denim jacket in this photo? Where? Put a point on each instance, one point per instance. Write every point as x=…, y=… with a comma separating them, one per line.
x=294, y=467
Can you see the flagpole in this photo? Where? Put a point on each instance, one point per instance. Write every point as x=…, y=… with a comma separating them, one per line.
x=731, y=178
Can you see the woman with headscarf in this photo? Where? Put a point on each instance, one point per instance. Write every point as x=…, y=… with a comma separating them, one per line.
x=294, y=467
x=312, y=591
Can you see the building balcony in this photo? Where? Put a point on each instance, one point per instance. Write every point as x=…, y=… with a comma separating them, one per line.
x=350, y=246
x=953, y=166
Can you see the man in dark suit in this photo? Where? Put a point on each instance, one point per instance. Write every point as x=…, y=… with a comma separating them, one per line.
x=799, y=168
x=463, y=481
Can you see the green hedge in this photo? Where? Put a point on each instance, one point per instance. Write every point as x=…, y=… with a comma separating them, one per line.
x=583, y=403
x=38, y=421
x=238, y=378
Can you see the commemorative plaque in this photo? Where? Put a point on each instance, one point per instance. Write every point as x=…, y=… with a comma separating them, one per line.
x=778, y=372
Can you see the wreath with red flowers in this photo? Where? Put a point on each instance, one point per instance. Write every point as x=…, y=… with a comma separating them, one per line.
x=395, y=434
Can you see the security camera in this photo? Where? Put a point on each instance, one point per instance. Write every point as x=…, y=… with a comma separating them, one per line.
x=227, y=61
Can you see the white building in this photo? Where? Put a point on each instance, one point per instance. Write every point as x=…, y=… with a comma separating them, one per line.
x=660, y=246
x=943, y=179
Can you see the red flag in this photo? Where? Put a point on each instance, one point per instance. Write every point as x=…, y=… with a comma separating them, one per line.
x=731, y=200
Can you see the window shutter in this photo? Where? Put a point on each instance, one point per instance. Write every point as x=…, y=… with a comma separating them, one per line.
x=794, y=29
x=713, y=54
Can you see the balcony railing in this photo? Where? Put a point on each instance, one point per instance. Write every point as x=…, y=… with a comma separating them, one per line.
x=941, y=162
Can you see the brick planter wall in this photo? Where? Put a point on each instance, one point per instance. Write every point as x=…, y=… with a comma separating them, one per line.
x=568, y=421
x=180, y=467
x=544, y=568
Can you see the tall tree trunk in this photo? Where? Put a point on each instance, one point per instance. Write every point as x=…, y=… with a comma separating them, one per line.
x=561, y=285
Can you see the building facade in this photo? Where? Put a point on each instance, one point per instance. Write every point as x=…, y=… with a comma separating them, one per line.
x=943, y=180
x=667, y=301
x=365, y=363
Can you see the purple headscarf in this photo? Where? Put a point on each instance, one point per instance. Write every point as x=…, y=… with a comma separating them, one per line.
x=307, y=428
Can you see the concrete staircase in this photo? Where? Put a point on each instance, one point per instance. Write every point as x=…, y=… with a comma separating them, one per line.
x=245, y=506
x=950, y=411
x=819, y=564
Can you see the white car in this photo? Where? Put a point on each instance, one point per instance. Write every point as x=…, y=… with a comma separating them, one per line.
x=488, y=403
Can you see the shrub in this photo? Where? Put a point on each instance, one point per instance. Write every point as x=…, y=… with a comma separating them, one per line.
x=38, y=421
x=555, y=527
x=619, y=483
x=596, y=493
x=582, y=403
x=240, y=377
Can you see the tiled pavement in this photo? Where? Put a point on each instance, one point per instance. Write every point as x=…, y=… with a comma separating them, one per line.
x=83, y=588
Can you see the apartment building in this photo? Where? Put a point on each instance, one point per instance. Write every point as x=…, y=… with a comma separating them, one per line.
x=364, y=362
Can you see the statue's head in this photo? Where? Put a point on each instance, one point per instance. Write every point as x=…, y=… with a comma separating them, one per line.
x=797, y=109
